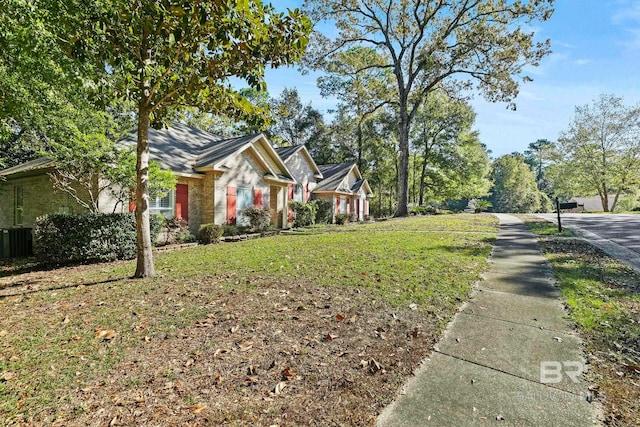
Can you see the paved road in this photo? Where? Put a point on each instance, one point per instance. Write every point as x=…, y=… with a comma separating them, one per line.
x=618, y=235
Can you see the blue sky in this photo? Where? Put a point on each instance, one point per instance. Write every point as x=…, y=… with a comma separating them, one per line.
x=596, y=49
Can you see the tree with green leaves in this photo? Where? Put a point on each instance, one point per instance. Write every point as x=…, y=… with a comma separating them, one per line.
x=514, y=186
x=295, y=123
x=432, y=44
x=601, y=150
x=361, y=92
x=163, y=55
x=539, y=155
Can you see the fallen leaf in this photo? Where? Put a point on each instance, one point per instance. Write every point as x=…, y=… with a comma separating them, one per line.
x=353, y=319
x=286, y=373
x=634, y=368
x=7, y=376
x=251, y=370
x=65, y=320
x=608, y=307
x=279, y=387
x=331, y=337
x=220, y=351
x=557, y=339
x=246, y=346
x=196, y=409
x=339, y=317
x=106, y=334
x=234, y=329
x=374, y=366
x=413, y=306
x=499, y=418
x=3, y=333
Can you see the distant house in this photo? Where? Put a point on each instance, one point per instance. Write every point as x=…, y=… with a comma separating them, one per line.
x=217, y=178
x=591, y=204
x=342, y=183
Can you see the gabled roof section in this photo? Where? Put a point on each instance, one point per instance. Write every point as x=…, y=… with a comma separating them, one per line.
x=32, y=165
x=177, y=147
x=361, y=183
x=215, y=154
x=287, y=152
x=334, y=176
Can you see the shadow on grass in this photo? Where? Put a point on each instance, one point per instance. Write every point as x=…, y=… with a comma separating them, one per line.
x=57, y=288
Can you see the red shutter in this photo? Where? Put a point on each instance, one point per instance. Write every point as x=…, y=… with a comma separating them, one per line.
x=231, y=205
x=337, y=205
x=349, y=201
x=257, y=197
x=358, y=208
x=306, y=193
x=290, y=195
x=182, y=201
x=132, y=201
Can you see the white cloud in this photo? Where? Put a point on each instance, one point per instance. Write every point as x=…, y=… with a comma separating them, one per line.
x=581, y=61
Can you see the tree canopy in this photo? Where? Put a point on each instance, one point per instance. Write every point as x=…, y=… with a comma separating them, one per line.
x=433, y=44
x=165, y=55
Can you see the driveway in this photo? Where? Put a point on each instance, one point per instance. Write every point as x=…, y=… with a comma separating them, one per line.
x=616, y=234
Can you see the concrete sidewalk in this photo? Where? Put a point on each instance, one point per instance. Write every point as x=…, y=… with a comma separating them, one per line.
x=487, y=368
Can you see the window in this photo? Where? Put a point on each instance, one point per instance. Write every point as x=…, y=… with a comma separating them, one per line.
x=297, y=193
x=163, y=205
x=343, y=205
x=18, y=204
x=244, y=200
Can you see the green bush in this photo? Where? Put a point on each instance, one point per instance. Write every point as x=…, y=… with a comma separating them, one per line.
x=62, y=239
x=230, y=230
x=175, y=230
x=209, y=233
x=304, y=213
x=259, y=218
x=342, y=219
x=324, y=211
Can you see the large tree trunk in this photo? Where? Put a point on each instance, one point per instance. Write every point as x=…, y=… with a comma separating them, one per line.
x=144, y=266
x=403, y=165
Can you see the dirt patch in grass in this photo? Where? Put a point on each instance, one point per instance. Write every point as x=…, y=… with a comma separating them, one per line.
x=288, y=330
x=603, y=297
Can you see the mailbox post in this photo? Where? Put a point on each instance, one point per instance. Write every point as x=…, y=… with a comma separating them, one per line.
x=565, y=205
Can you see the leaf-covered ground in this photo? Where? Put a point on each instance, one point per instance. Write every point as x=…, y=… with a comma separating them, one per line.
x=318, y=329
x=603, y=297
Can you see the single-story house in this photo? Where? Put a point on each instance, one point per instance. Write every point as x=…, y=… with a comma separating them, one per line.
x=590, y=204
x=217, y=178
x=342, y=183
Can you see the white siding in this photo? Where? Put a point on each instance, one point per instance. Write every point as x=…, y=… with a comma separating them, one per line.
x=301, y=170
x=243, y=172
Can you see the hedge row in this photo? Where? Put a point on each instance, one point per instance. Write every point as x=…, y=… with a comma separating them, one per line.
x=84, y=238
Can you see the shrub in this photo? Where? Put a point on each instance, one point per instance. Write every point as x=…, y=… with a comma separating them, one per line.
x=482, y=205
x=209, y=233
x=324, y=211
x=342, y=219
x=230, y=230
x=259, y=217
x=89, y=237
x=353, y=217
x=175, y=230
x=304, y=213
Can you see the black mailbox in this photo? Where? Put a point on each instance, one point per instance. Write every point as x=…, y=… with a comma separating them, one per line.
x=569, y=205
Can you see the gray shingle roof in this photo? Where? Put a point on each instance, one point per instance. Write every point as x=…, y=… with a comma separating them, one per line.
x=35, y=164
x=286, y=152
x=333, y=176
x=177, y=147
x=216, y=151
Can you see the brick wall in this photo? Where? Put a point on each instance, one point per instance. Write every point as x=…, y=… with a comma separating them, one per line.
x=39, y=198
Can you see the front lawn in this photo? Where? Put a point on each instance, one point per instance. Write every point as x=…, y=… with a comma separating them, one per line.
x=288, y=330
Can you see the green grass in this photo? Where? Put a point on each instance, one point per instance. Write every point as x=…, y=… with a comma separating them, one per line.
x=603, y=298
x=50, y=343
x=542, y=227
